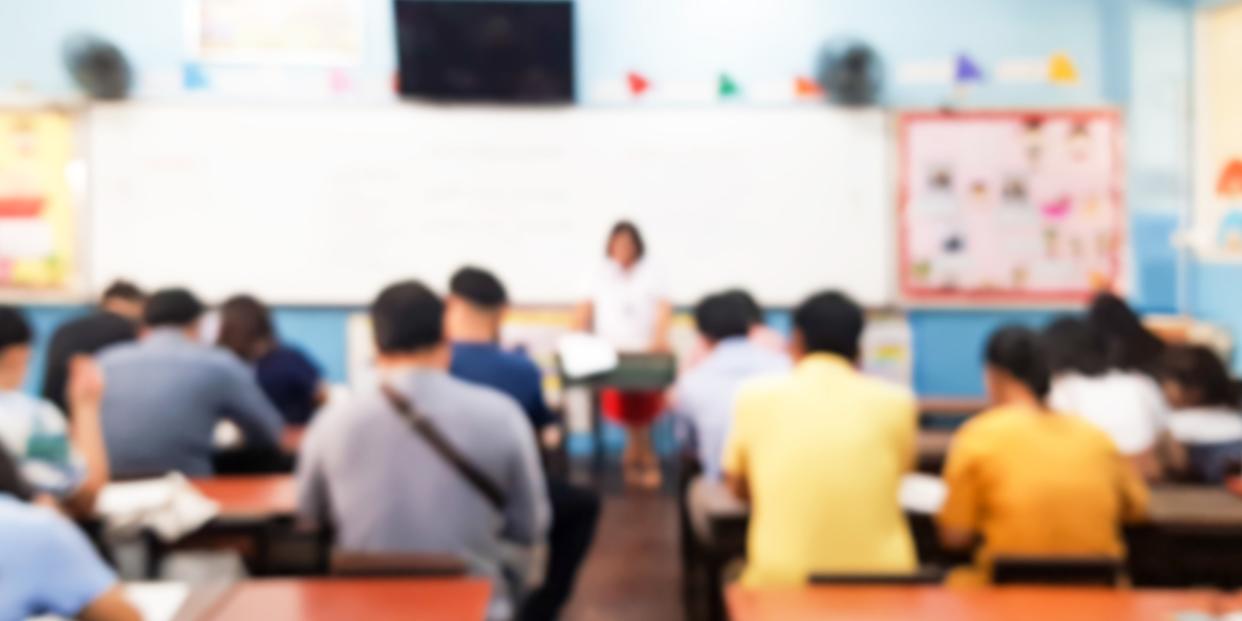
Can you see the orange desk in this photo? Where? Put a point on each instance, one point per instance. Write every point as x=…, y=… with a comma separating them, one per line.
x=254, y=498
x=370, y=600
x=940, y=604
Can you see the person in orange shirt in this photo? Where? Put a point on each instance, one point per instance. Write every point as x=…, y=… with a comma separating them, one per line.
x=1031, y=481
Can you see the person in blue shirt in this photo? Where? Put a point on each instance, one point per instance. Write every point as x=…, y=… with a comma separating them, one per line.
x=289, y=379
x=47, y=566
x=703, y=397
x=473, y=316
x=166, y=393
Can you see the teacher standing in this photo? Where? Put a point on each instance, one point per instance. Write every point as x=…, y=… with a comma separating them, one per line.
x=626, y=304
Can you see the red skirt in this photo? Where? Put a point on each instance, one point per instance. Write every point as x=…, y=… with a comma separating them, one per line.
x=635, y=409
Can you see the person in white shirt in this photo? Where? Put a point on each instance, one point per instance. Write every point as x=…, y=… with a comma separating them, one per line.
x=625, y=303
x=1206, y=415
x=1128, y=405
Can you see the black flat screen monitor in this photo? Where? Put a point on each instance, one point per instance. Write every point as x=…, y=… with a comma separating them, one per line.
x=486, y=51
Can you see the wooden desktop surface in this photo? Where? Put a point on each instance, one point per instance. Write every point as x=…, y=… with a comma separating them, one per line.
x=405, y=599
x=867, y=603
x=252, y=497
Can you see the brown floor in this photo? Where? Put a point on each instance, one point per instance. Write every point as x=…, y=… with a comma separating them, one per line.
x=633, y=571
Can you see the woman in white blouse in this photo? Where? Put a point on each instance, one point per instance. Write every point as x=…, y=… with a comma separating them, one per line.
x=1126, y=404
x=625, y=303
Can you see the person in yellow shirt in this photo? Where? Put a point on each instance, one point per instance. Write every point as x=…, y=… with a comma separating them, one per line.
x=820, y=455
x=1031, y=481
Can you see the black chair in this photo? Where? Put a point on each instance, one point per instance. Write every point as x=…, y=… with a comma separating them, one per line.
x=1054, y=570
x=370, y=565
x=924, y=576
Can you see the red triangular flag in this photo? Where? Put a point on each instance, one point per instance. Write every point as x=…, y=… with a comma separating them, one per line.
x=806, y=87
x=638, y=83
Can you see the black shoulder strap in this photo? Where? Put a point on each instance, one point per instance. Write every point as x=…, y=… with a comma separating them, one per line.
x=429, y=432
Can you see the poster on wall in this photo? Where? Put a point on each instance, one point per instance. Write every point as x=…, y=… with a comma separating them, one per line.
x=1217, y=217
x=38, y=213
x=309, y=32
x=1010, y=207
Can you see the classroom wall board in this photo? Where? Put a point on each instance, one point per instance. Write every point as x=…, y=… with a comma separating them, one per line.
x=325, y=204
x=40, y=187
x=1216, y=222
x=1010, y=207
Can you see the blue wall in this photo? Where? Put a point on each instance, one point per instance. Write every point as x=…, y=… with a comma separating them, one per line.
x=1134, y=54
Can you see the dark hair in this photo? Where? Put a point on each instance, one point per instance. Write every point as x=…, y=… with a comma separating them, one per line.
x=124, y=290
x=11, y=480
x=721, y=316
x=625, y=227
x=1073, y=346
x=1130, y=345
x=830, y=322
x=407, y=317
x=479, y=287
x=1198, y=368
x=1019, y=351
x=753, y=311
x=246, y=327
x=14, y=329
x=172, y=307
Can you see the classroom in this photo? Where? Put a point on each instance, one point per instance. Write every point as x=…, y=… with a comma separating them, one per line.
x=530, y=310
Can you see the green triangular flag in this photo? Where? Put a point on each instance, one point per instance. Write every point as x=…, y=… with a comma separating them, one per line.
x=728, y=88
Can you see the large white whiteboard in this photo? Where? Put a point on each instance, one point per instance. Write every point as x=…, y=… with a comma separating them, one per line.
x=324, y=204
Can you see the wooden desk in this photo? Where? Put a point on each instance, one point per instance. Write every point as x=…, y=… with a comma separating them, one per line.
x=251, y=498
x=291, y=439
x=942, y=604
x=1195, y=506
x=372, y=600
x=953, y=407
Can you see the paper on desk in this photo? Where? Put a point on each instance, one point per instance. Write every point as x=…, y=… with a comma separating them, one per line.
x=157, y=601
x=584, y=355
x=168, y=506
x=922, y=493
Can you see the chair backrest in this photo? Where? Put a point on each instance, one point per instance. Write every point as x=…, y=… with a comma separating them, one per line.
x=924, y=576
x=1066, y=570
x=370, y=565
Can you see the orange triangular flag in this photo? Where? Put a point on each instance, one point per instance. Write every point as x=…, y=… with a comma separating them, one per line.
x=806, y=87
x=1061, y=69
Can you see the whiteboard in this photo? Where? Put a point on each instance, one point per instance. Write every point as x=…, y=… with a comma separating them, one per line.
x=325, y=204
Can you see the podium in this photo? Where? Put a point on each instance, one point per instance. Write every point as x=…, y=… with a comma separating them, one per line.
x=637, y=372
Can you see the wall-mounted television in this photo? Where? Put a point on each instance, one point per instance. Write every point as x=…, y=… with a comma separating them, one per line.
x=485, y=50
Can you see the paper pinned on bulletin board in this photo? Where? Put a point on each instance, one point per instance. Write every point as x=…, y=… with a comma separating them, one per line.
x=38, y=211
x=1010, y=207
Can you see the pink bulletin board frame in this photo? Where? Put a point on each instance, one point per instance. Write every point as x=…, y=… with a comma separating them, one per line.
x=916, y=294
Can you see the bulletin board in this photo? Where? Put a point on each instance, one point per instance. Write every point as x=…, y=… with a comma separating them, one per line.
x=1217, y=211
x=38, y=203
x=1010, y=207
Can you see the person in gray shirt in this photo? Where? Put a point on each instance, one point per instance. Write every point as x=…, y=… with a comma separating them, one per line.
x=165, y=394
x=364, y=470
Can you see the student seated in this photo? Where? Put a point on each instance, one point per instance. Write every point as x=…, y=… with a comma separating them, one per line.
x=1130, y=346
x=1029, y=481
x=115, y=321
x=820, y=455
x=167, y=392
x=289, y=379
x=759, y=332
x=1125, y=404
x=64, y=460
x=366, y=470
x=473, y=316
x=47, y=566
x=1206, y=417
x=703, y=397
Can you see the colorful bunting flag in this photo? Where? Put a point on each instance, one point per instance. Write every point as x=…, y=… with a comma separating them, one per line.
x=727, y=87
x=638, y=84
x=967, y=70
x=805, y=87
x=1061, y=69
x=193, y=78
